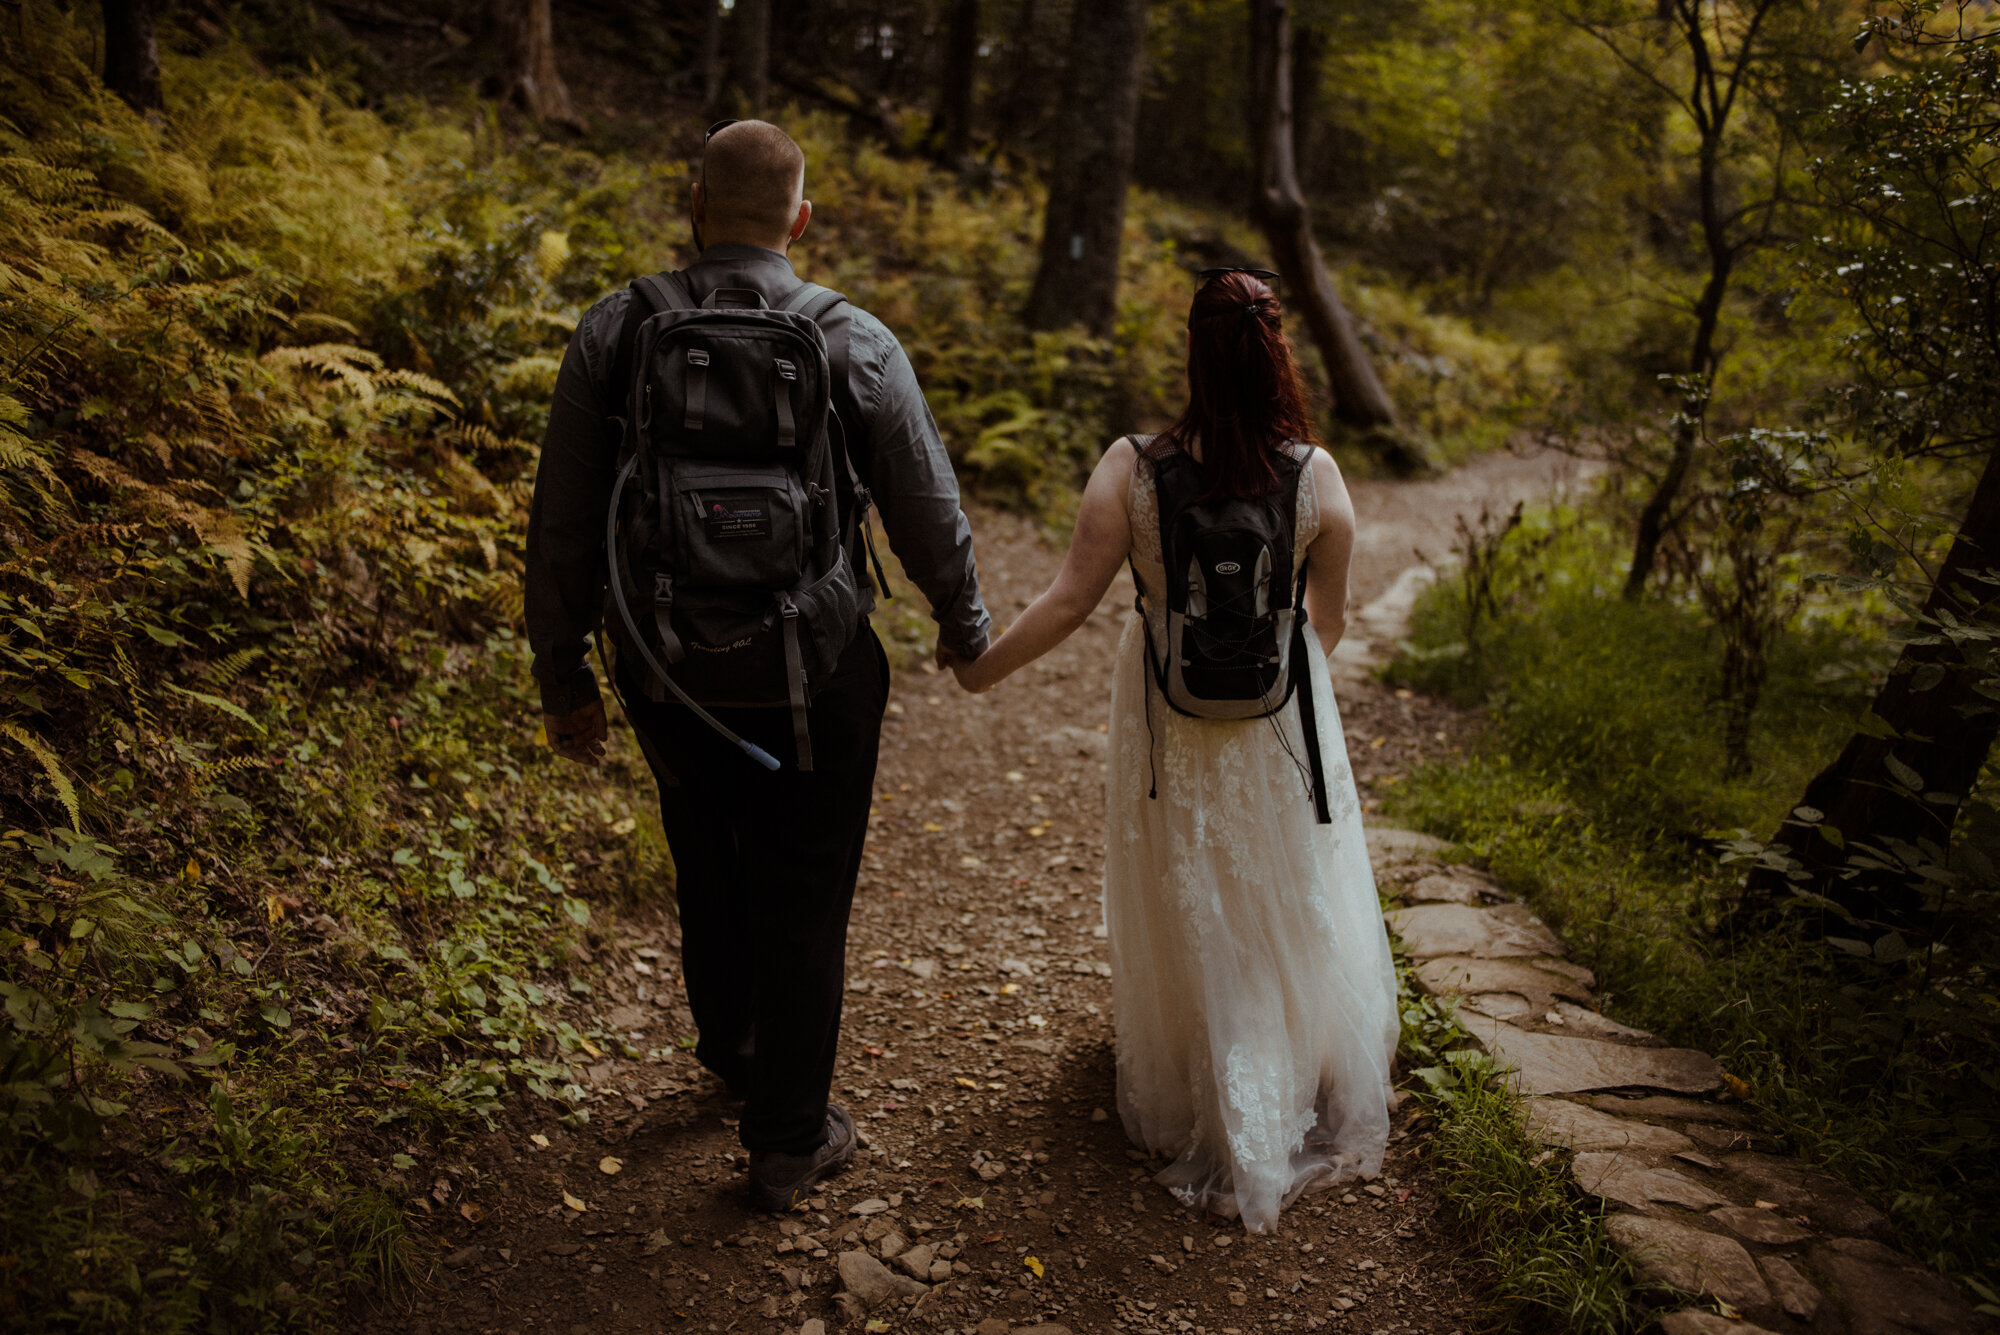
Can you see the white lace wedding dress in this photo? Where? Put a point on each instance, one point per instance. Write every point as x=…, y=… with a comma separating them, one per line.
x=1255, y=995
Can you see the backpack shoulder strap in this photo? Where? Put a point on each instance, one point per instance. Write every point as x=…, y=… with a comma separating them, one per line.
x=650, y=295
x=816, y=303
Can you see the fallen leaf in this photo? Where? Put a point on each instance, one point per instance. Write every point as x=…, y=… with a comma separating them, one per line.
x=658, y=1241
x=610, y=1165
x=993, y=1237
x=1009, y=989
x=1737, y=1086
x=539, y=1140
x=932, y=827
x=971, y=1203
x=1032, y=1264
x=872, y=1051
x=876, y=1323
x=590, y=1047
x=573, y=1203
x=963, y=1083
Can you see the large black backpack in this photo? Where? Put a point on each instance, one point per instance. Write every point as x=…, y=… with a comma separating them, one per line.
x=727, y=526
x=1236, y=621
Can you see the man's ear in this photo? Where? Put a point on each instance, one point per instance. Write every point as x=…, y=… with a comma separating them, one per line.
x=799, y=223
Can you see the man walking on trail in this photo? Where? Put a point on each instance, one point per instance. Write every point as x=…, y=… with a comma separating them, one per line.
x=766, y=859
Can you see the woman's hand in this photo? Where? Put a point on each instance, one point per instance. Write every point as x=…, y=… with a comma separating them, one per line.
x=963, y=670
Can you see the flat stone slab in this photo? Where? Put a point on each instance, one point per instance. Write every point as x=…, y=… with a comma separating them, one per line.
x=1431, y=930
x=1525, y=978
x=1694, y=1322
x=1794, y=1292
x=1625, y=1179
x=1658, y=1106
x=1581, y=1128
x=1571, y=1064
x=1500, y=1005
x=1765, y=1226
x=1831, y=1205
x=1445, y=888
x=1886, y=1293
x=1689, y=1259
x=1590, y=1022
x=1388, y=845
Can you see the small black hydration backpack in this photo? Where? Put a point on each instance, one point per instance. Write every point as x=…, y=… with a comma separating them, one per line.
x=1236, y=620
x=726, y=528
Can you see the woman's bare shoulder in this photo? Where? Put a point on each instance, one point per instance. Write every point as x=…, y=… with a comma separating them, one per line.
x=1336, y=507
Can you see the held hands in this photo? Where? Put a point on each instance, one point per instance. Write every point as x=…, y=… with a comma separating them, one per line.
x=578, y=736
x=966, y=670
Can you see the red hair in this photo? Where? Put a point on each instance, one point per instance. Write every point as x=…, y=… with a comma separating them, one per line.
x=1244, y=398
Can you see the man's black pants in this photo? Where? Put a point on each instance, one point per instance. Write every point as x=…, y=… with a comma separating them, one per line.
x=765, y=866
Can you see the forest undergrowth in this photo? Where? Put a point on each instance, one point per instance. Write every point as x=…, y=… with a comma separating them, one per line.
x=292, y=893
x=1601, y=793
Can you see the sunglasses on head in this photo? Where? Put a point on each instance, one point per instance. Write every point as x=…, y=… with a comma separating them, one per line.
x=718, y=128
x=1207, y=276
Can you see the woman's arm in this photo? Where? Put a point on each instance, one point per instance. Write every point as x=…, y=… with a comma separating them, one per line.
x=1328, y=557
x=1103, y=538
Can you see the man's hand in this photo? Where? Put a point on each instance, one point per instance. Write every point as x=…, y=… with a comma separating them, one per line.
x=579, y=736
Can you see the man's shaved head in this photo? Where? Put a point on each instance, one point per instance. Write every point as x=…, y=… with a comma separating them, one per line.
x=753, y=177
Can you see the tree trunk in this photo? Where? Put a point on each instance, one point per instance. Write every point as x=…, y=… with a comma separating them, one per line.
x=1084, y=226
x=537, y=84
x=1019, y=58
x=132, y=52
x=750, y=55
x=951, y=126
x=1279, y=208
x=1702, y=362
x=711, y=59
x=1940, y=727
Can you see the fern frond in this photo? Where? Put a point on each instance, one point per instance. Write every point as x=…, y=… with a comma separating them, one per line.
x=419, y=382
x=36, y=747
x=227, y=668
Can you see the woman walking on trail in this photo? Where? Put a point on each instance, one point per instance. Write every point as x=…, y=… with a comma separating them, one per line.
x=1251, y=976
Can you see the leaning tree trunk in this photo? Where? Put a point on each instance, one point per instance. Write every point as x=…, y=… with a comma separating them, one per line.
x=1907, y=785
x=1084, y=226
x=132, y=52
x=1697, y=384
x=951, y=128
x=1279, y=207
x=750, y=55
x=531, y=62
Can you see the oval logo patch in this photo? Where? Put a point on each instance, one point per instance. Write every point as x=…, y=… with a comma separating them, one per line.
x=1227, y=568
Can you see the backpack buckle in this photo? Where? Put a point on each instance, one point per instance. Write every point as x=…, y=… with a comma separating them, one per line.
x=697, y=356
x=786, y=369
x=663, y=589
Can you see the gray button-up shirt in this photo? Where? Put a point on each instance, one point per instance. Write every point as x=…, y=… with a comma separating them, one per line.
x=903, y=462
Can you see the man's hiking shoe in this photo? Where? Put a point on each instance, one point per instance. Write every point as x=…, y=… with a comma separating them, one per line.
x=780, y=1181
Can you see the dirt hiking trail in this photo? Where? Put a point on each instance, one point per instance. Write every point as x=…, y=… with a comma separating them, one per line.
x=995, y=1189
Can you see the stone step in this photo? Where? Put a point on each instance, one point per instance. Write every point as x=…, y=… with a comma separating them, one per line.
x=1695, y=1204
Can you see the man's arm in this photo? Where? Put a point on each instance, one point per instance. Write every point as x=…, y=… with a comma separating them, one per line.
x=916, y=490
x=565, y=556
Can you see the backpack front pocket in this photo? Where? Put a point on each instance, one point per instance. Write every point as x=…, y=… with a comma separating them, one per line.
x=736, y=525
